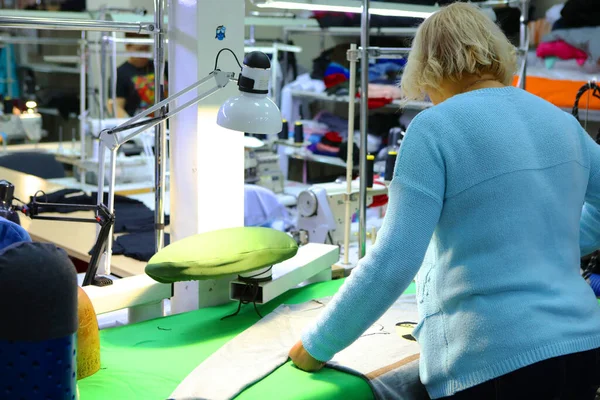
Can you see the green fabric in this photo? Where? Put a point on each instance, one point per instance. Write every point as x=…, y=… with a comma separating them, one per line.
x=218, y=253
x=147, y=361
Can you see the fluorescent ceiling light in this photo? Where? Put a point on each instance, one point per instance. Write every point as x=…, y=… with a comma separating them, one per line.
x=353, y=6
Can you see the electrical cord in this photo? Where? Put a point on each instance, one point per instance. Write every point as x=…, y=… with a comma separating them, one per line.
x=231, y=51
x=251, y=283
x=595, y=93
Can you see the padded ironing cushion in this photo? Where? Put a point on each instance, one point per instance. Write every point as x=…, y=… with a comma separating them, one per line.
x=218, y=253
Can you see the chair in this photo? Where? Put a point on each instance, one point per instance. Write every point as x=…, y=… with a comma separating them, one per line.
x=42, y=165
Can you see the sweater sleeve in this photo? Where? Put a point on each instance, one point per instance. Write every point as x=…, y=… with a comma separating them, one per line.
x=416, y=196
x=589, y=239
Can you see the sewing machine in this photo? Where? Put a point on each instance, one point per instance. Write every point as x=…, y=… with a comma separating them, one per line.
x=25, y=126
x=261, y=165
x=321, y=210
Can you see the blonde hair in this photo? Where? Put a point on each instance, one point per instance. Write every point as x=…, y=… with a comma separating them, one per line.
x=456, y=41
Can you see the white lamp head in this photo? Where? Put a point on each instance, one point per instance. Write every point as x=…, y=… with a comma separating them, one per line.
x=251, y=111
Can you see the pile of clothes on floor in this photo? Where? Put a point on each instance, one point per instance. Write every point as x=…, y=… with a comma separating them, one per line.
x=574, y=35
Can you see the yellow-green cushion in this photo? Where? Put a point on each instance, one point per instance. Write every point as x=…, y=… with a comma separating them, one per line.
x=224, y=252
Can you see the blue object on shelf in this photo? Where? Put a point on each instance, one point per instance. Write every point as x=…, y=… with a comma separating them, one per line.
x=8, y=70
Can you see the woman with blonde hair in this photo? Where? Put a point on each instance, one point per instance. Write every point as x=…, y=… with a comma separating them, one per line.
x=490, y=183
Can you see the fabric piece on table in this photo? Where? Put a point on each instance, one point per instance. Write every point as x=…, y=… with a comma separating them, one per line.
x=386, y=356
x=262, y=208
x=131, y=215
x=139, y=245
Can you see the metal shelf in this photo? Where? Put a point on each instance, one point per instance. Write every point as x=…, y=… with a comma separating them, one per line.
x=411, y=105
x=350, y=31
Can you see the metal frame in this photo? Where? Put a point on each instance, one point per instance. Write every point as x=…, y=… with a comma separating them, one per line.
x=364, y=54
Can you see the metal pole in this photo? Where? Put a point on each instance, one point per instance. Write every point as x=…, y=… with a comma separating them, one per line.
x=103, y=82
x=82, y=109
x=75, y=25
x=110, y=205
x=364, y=124
x=274, y=69
x=113, y=78
x=100, y=197
x=9, y=72
x=160, y=139
x=286, y=59
x=349, y=164
x=46, y=41
x=524, y=41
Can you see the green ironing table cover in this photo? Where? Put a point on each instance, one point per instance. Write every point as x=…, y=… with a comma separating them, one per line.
x=147, y=361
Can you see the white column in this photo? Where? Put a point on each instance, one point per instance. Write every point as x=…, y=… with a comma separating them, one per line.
x=207, y=161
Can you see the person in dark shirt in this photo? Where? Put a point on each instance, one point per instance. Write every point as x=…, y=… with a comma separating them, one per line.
x=135, y=80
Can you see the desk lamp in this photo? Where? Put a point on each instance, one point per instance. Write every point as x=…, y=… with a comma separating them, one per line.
x=250, y=111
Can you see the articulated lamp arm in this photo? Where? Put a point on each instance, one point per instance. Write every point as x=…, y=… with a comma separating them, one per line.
x=112, y=139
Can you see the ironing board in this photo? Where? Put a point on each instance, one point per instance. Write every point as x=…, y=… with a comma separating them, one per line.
x=147, y=361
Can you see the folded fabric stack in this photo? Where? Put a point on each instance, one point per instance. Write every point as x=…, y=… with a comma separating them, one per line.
x=329, y=145
x=578, y=44
x=383, y=81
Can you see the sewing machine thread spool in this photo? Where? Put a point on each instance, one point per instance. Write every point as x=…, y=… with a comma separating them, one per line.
x=390, y=163
x=298, y=132
x=370, y=168
x=285, y=130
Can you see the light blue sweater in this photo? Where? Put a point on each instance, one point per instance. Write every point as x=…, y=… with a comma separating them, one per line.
x=490, y=184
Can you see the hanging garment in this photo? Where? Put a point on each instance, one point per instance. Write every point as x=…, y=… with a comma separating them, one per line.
x=561, y=50
x=386, y=355
x=8, y=72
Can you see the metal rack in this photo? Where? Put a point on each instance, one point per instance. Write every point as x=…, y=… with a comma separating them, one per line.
x=87, y=25
x=364, y=53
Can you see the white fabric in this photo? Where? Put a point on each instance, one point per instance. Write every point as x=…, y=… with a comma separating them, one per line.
x=289, y=105
x=261, y=208
x=553, y=13
x=262, y=348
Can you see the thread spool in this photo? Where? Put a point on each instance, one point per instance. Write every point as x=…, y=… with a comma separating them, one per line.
x=298, y=132
x=370, y=168
x=390, y=164
x=38, y=335
x=285, y=131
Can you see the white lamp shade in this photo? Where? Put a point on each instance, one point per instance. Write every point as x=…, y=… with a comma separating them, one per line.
x=250, y=113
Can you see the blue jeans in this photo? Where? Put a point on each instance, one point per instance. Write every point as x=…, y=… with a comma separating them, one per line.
x=570, y=377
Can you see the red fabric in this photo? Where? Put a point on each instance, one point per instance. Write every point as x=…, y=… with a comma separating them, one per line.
x=334, y=137
x=334, y=80
x=327, y=149
x=561, y=50
x=378, y=201
x=376, y=102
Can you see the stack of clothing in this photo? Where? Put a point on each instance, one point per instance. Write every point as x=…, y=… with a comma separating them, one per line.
x=133, y=220
x=575, y=34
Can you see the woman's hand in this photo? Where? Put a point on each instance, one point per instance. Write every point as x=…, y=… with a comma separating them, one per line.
x=303, y=360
